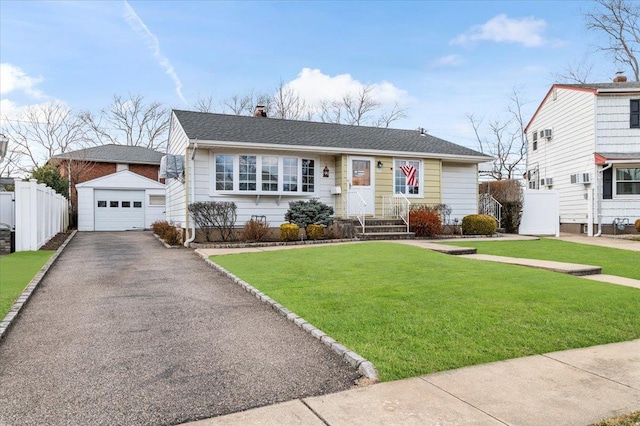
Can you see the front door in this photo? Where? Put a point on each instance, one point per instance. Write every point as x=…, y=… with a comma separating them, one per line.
x=361, y=185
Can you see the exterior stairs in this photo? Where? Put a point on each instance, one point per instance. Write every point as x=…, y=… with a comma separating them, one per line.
x=383, y=229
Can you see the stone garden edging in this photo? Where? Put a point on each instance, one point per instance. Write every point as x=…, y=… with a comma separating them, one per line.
x=365, y=367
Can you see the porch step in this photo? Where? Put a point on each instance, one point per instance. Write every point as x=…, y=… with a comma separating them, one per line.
x=383, y=229
x=386, y=236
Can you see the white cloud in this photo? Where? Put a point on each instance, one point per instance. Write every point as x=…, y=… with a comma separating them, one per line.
x=313, y=87
x=13, y=79
x=447, y=61
x=502, y=29
x=152, y=41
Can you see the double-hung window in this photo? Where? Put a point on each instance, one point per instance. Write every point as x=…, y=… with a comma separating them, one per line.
x=628, y=181
x=264, y=174
x=407, y=175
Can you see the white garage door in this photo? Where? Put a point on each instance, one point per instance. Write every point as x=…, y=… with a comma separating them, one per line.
x=118, y=210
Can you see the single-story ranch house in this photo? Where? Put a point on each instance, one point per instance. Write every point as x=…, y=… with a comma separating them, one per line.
x=262, y=164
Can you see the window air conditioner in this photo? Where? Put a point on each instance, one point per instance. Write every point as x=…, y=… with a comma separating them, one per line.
x=548, y=133
x=584, y=178
x=546, y=182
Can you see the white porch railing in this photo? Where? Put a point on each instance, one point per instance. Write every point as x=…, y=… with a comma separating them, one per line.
x=40, y=213
x=396, y=206
x=489, y=205
x=355, y=205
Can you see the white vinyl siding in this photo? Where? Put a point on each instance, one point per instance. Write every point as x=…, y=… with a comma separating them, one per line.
x=614, y=131
x=176, y=196
x=460, y=189
x=569, y=151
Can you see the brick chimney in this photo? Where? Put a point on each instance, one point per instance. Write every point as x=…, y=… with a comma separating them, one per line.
x=260, y=112
x=620, y=78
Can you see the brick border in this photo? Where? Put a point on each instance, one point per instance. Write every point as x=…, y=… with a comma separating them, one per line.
x=365, y=367
x=22, y=300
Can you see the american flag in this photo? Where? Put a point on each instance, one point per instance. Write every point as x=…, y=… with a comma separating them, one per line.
x=410, y=172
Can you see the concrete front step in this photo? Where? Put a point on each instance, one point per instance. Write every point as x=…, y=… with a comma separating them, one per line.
x=386, y=235
x=382, y=228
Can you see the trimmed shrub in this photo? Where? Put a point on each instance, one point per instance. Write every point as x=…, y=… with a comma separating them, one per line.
x=315, y=232
x=511, y=215
x=160, y=228
x=637, y=225
x=479, y=224
x=312, y=212
x=255, y=230
x=220, y=215
x=173, y=237
x=289, y=232
x=425, y=222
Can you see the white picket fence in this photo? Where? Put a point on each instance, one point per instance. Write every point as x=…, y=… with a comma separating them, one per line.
x=40, y=213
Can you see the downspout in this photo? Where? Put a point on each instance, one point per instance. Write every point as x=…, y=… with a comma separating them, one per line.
x=193, y=196
x=599, y=201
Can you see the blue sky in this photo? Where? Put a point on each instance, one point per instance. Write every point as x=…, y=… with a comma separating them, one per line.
x=441, y=60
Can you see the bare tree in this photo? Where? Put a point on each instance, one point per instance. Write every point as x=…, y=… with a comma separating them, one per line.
x=12, y=162
x=41, y=132
x=503, y=139
x=577, y=72
x=358, y=106
x=387, y=117
x=246, y=104
x=204, y=104
x=287, y=104
x=619, y=20
x=130, y=121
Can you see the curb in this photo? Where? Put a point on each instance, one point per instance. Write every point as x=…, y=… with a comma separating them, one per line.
x=22, y=300
x=270, y=244
x=165, y=244
x=365, y=367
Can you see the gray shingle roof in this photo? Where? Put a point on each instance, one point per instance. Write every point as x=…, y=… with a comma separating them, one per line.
x=597, y=86
x=259, y=130
x=114, y=154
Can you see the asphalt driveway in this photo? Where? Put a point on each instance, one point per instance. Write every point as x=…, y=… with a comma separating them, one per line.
x=124, y=331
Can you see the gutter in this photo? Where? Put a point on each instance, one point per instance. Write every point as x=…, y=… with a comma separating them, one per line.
x=192, y=170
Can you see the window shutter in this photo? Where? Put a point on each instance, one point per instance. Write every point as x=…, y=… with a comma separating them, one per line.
x=635, y=113
x=607, y=184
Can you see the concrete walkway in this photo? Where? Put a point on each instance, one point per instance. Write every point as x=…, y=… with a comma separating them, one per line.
x=575, y=387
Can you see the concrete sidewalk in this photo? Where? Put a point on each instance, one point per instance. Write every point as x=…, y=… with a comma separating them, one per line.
x=575, y=387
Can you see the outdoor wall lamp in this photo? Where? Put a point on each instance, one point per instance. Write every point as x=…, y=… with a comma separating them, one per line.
x=325, y=172
x=380, y=164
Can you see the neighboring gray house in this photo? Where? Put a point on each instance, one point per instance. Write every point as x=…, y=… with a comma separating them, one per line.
x=262, y=164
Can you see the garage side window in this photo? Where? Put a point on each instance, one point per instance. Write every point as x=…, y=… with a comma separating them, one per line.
x=102, y=203
x=137, y=204
x=114, y=204
x=157, y=200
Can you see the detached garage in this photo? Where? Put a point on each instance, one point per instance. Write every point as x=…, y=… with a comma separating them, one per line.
x=120, y=201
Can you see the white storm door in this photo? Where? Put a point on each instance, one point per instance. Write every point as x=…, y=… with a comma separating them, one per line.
x=361, y=181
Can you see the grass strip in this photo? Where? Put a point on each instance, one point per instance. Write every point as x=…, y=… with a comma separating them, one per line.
x=16, y=271
x=413, y=311
x=624, y=263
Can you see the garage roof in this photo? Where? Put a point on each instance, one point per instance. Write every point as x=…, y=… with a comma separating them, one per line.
x=114, y=154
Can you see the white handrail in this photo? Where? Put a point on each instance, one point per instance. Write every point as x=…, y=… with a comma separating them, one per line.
x=489, y=205
x=362, y=208
x=407, y=208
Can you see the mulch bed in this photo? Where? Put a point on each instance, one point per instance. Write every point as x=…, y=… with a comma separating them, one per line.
x=57, y=240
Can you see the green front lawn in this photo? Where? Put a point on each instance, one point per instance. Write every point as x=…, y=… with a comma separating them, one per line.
x=16, y=271
x=623, y=263
x=412, y=311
